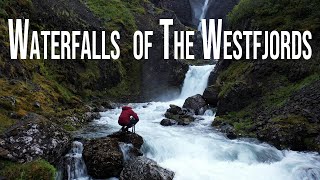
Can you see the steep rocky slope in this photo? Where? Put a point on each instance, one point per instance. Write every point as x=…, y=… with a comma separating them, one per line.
x=60, y=90
x=274, y=100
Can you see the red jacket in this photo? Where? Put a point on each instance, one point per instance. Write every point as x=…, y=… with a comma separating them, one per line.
x=124, y=118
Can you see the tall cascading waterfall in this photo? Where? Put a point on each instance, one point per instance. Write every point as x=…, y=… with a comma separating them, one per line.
x=196, y=80
x=203, y=14
x=199, y=11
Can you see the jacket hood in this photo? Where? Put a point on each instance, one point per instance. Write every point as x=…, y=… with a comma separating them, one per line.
x=126, y=108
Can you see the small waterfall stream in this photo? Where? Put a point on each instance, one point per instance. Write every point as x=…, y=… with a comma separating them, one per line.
x=203, y=13
x=76, y=168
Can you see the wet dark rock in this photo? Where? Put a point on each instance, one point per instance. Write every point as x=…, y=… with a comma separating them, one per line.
x=175, y=109
x=196, y=103
x=103, y=158
x=128, y=137
x=143, y=168
x=228, y=130
x=181, y=115
x=35, y=137
x=211, y=95
x=168, y=122
x=225, y=128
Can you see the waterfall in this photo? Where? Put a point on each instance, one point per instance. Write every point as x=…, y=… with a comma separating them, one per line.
x=203, y=13
x=198, y=152
x=196, y=80
x=76, y=168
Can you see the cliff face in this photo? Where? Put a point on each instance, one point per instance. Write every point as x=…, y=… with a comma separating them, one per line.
x=60, y=89
x=218, y=9
x=50, y=86
x=275, y=101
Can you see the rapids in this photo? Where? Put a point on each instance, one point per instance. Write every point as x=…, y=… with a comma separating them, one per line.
x=197, y=151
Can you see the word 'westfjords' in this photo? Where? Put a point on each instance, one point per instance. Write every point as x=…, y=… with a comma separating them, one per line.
x=216, y=43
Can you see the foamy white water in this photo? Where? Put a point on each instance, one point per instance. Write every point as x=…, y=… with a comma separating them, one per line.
x=196, y=80
x=198, y=152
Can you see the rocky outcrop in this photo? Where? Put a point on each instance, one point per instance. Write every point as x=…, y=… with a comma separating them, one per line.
x=103, y=158
x=161, y=77
x=182, y=9
x=196, y=103
x=35, y=137
x=143, y=168
x=219, y=9
x=238, y=97
x=225, y=128
x=128, y=138
x=181, y=115
x=211, y=96
x=274, y=101
x=168, y=122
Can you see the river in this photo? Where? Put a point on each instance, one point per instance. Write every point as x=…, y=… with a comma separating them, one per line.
x=197, y=151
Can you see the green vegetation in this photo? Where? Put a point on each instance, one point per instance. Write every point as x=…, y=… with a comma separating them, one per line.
x=36, y=170
x=276, y=14
x=5, y=122
x=279, y=96
x=268, y=114
x=116, y=14
x=235, y=74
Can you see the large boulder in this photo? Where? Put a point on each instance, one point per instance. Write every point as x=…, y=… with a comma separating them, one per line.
x=128, y=138
x=181, y=115
x=35, y=137
x=103, y=157
x=196, y=103
x=210, y=95
x=143, y=168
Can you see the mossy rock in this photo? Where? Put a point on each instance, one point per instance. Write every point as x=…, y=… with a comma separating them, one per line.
x=36, y=170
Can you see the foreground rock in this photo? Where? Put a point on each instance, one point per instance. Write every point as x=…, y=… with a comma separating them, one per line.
x=35, y=137
x=128, y=138
x=181, y=115
x=103, y=158
x=143, y=168
x=196, y=103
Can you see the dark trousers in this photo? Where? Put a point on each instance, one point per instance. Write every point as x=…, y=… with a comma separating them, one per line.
x=133, y=122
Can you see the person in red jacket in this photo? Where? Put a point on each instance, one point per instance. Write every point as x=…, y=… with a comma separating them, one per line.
x=127, y=118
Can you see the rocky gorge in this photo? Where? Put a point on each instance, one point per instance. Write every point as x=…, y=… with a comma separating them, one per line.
x=44, y=104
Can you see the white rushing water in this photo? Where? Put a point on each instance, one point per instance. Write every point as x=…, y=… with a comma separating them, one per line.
x=76, y=168
x=196, y=80
x=203, y=13
x=198, y=152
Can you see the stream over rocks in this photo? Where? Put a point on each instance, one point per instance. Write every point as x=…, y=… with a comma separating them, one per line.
x=197, y=151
